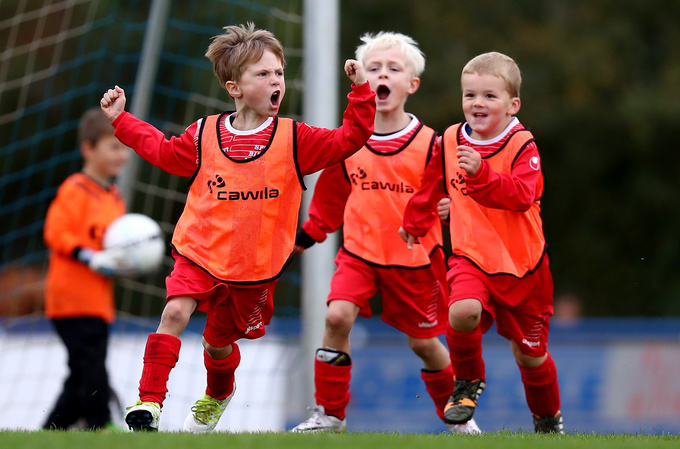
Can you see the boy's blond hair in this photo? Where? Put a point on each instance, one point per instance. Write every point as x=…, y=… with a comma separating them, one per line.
x=497, y=64
x=238, y=47
x=386, y=40
x=93, y=125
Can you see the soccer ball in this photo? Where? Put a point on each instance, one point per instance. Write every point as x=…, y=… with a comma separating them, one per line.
x=136, y=243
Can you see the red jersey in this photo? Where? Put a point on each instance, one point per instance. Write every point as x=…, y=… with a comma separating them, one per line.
x=496, y=240
x=368, y=192
x=512, y=191
x=312, y=148
x=240, y=218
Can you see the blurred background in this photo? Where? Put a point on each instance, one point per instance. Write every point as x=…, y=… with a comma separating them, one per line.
x=601, y=81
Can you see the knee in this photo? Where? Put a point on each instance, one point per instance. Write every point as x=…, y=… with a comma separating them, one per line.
x=217, y=353
x=524, y=360
x=465, y=315
x=339, y=320
x=176, y=313
x=424, y=347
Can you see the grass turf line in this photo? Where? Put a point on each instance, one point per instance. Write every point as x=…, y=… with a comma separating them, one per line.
x=490, y=440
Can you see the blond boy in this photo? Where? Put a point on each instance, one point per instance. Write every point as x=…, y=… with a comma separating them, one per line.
x=367, y=194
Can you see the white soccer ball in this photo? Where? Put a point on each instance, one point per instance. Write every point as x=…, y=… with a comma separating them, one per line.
x=137, y=243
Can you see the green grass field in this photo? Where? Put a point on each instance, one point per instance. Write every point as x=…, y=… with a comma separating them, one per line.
x=495, y=440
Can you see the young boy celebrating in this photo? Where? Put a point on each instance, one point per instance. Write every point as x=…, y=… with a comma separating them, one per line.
x=237, y=231
x=78, y=295
x=367, y=193
x=490, y=168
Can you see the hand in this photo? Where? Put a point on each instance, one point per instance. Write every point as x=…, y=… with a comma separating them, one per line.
x=110, y=262
x=444, y=208
x=469, y=159
x=355, y=71
x=302, y=241
x=408, y=238
x=113, y=102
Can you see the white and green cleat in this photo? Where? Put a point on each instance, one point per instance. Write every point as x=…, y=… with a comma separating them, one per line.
x=206, y=413
x=143, y=416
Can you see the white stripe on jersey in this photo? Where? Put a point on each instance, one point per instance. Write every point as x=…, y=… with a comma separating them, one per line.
x=243, y=145
x=389, y=143
x=487, y=147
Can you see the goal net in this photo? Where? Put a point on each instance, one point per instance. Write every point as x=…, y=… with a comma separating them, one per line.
x=59, y=57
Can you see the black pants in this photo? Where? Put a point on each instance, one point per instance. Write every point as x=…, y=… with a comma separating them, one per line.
x=86, y=389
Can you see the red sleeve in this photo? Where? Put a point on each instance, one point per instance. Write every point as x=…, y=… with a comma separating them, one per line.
x=327, y=209
x=321, y=147
x=511, y=191
x=177, y=155
x=421, y=211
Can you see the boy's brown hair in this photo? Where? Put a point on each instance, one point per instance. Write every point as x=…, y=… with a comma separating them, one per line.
x=239, y=46
x=93, y=125
x=497, y=64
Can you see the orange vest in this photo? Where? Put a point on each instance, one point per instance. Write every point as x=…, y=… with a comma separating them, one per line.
x=78, y=217
x=240, y=217
x=498, y=241
x=382, y=184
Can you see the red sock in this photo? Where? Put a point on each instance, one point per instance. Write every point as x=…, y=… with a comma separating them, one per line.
x=160, y=357
x=465, y=350
x=541, y=388
x=439, y=385
x=221, y=373
x=332, y=387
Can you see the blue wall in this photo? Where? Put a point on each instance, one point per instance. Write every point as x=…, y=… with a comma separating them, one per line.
x=602, y=364
x=616, y=375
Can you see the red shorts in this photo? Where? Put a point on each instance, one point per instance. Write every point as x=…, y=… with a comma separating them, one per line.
x=234, y=311
x=413, y=300
x=521, y=307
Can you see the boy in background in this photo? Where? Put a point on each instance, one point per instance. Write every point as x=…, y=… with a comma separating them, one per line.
x=490, y=168
x=367, y=193
x=78, y=293
x=237, y=231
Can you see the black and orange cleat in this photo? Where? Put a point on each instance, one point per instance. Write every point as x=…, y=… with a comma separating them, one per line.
x=461, y=405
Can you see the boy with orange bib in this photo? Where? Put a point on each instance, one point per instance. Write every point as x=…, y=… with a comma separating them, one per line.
x=78, y=291
x=490, y=168
x=367, y=194
x=237, y=231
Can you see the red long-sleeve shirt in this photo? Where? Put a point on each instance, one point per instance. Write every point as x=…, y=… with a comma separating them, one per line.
x=316, y=147
x=327, y=208
x=515, y=191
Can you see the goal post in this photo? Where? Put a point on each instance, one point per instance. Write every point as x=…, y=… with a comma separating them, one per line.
x=146, y=77
x=320, y=108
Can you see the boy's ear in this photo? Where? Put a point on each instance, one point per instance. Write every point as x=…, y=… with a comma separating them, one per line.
x=515, y=104
x=232, y=89
x=413, y=87
x=86, y=148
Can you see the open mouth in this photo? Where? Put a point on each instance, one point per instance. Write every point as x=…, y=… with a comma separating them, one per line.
x=383, y=92
x=274, y=99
